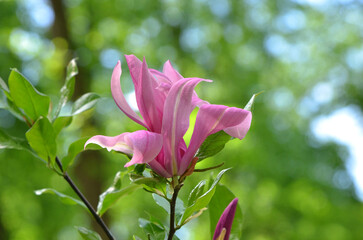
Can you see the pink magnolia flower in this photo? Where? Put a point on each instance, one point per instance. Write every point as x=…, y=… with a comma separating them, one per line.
x=224, y=225
x=165, y=101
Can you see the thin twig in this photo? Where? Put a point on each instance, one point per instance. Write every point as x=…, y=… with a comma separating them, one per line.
x=85, y=201
x=210, y=168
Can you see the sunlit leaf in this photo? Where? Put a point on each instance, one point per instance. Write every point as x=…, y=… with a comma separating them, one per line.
x=62, y=197
x=221, y=198
x=113, y=194
x=196, y=192
x=60, y=123
x=203, y=200
x=84, y=103
x=213, y=145
x=73, y=150
x=26, y=97
x=68, y=87
x=41, y=138
x=87, y=234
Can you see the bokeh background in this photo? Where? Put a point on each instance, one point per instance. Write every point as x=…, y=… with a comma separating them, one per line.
x=298, y=173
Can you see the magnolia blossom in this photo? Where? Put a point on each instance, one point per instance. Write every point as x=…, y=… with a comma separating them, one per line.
x=165, y=101
x=224, y=225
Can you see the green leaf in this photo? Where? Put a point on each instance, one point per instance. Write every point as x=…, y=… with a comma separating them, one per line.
x=213, y=145
x=26, y=97
x=113, y=194
x=196, y=192
x=134, y=237
x=153, y=229
x=149, y=182
x=85, y=102
x=68, y=87
x=73, y=150
x=62, y=197
x=60, y=123
x=9, y=104
x=203, y=200
x=87, y=234
x=221, y=198
x=9, y=142
x=13, y=109
x=251, y=101
x=162, y=202
x=5, y=89
x=41, y=138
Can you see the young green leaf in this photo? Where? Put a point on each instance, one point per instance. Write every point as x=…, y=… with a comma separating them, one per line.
x=26, y=97
x=213, y=145
x=85, y=102
x=73, y=150
x=60, y=123
x=87, y=234
x=251, y=101
x=202, y=202
x=162, y=202
x=9, y=142
x=5, y=89
x=68, y=87
x=154, y=230
x=62, y=197
x=41, y=138
x=196, y=192
x=221, y=198
x=113, y=194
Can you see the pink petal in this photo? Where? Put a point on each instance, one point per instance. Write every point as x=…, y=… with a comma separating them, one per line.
x=119, y=97
x=116, y=143
x=174, y=76
x=146, y=146
x=177, y=109
x=134, y=65
x=169, y=71
x=143, y=145
x=226, y=220
x=241, y=129
x=211, y=119
x=149, y=100
x=159, y=169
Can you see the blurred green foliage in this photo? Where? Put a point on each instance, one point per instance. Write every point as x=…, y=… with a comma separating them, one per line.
x=283, y=176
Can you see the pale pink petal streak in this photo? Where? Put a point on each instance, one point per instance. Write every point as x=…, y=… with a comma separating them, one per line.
x=119, y=97
x=177, y=109
x=210, y=119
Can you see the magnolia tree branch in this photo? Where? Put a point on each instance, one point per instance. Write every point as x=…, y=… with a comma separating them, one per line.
x=85, y=201
x=173, y=228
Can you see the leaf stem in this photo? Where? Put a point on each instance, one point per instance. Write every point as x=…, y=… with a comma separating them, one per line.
x=173, y=228
x=85, y=201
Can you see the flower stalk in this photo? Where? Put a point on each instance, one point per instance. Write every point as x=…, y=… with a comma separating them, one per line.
x=173, y=228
